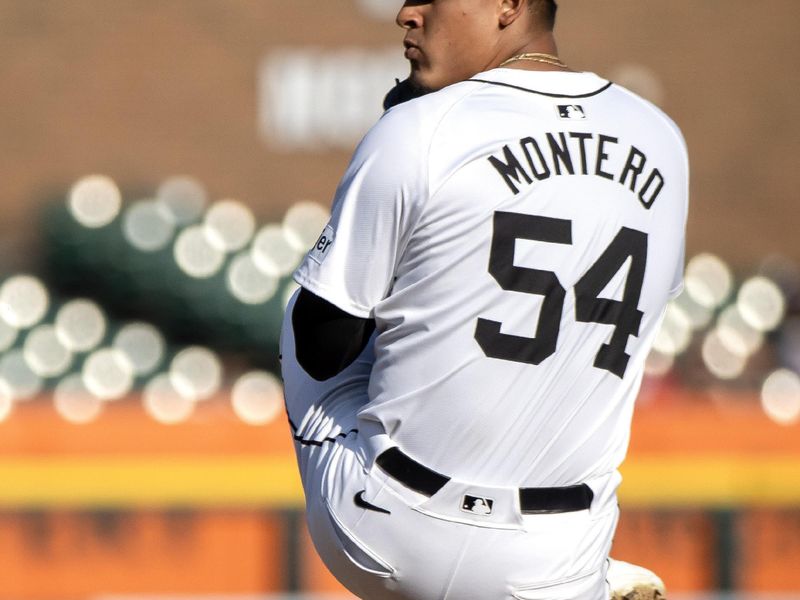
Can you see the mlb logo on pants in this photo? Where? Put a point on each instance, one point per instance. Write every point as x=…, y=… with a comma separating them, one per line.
x=477, y=505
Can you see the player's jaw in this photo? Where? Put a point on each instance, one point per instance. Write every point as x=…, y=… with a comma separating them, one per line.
x=446, y=41
x=420, y=66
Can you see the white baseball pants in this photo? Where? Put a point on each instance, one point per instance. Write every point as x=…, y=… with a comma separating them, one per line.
x=384, y=541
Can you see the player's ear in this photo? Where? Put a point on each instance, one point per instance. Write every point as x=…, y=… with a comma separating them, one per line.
x=510, y=11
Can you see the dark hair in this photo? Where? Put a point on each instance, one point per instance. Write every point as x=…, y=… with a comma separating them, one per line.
x=546, y=10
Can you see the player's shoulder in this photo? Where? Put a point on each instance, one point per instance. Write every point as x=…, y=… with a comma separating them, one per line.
x=420, y=116
x=629, y=101
x=396, y=148
x=433, y=103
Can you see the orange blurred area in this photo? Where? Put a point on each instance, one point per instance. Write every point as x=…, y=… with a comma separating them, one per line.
x=678, y=545
x=127, y=505
x=771, y=549
x=81, y=554
x=124, y=428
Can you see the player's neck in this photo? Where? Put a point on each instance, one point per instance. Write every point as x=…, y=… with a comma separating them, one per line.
x=543, y=44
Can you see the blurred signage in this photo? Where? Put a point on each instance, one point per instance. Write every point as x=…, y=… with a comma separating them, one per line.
x=381, y=9
x=312, y=99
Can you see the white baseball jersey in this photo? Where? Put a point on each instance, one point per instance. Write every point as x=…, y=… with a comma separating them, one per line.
x=516, y=238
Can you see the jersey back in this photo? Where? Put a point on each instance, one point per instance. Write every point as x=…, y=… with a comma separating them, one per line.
x=516, y=237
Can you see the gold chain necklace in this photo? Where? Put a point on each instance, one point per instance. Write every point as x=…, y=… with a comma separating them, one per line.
x=547, y=59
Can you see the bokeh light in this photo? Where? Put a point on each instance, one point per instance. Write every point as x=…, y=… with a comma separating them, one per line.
x=142, y=344
x=780, y=396
x=783, y=271
x=257, y=397
x=736, y=334
x=761, y=303
x=196, y=373
x=23, y=301
x=196, y=254
x=699, y=316
x=6, y=400
x=74, y=402
x=148, y=226
x=80, y=325
x=22, y=382
x=164, y=403
x=184, y=198
x=108, y=374
x=8, y=335
x=45, y=353
x=719, y=360
x=94, y=201
x=658, y=363
x=272, y=252
x=708, y=280
x=229, y=225
x=247, y=283
x=303, y=223
x=675, y=334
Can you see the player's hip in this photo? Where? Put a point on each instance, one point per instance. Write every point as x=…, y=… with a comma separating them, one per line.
x=383, y=540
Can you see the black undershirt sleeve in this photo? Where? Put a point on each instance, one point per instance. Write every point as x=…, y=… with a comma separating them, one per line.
x=403, y=91
x=327, y=339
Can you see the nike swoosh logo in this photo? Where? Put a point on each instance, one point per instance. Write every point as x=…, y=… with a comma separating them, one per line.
x=359, y=500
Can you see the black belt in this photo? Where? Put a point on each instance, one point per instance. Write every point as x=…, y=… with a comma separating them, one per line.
x=531, y=500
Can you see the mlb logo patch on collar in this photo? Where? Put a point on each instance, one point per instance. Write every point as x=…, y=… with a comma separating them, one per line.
x=571, y=112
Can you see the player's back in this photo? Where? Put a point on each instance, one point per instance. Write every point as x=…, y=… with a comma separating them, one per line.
x=532, y=280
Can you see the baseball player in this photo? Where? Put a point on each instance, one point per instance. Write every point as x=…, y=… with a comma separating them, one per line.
x=462, y=359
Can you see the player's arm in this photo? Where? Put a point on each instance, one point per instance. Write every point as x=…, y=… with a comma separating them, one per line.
x=351, y=268
x=327, y=339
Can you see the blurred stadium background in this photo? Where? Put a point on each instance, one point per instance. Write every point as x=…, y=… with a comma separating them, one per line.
x=164, y=166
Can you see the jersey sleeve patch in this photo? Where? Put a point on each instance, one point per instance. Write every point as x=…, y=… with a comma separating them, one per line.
x=323, y=246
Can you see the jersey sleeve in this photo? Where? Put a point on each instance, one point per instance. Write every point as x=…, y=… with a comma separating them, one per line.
x=677, y=278
x=680, y=156
x=353, y=263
